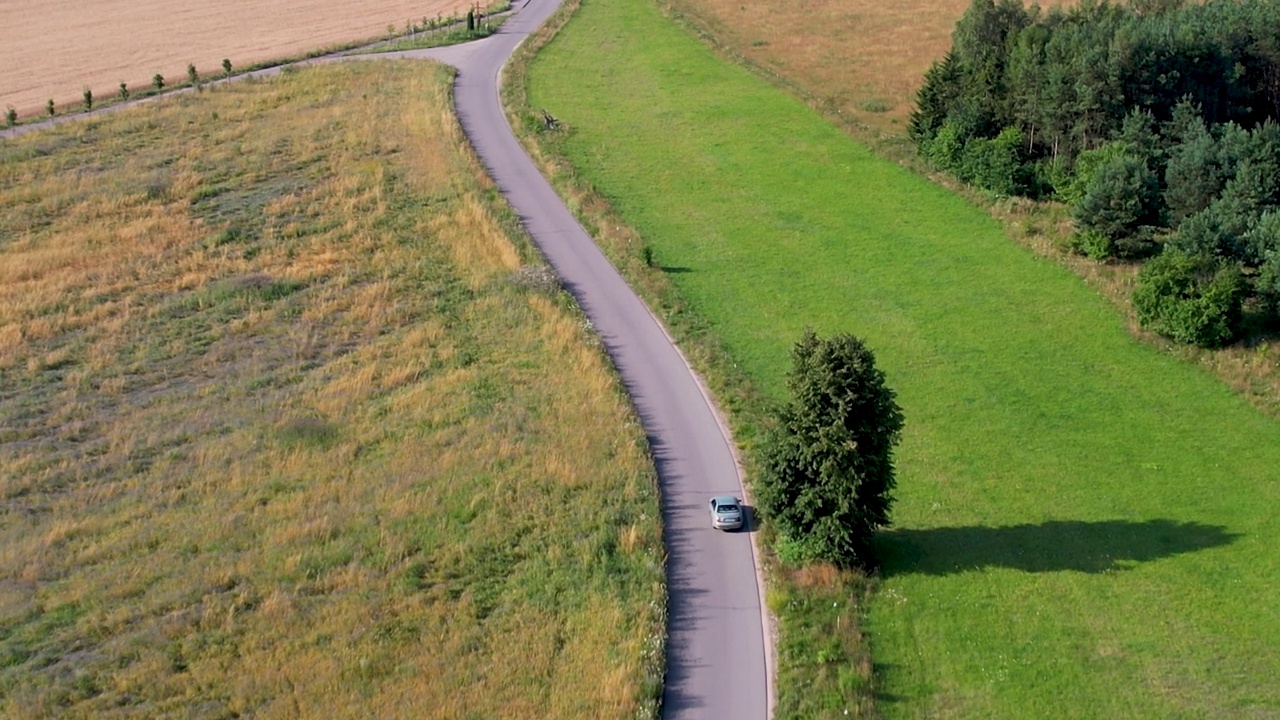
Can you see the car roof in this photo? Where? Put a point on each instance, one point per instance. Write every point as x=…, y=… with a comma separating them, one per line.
x=725, y=500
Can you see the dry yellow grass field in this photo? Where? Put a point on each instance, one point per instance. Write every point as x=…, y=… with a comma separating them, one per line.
x=860, y=59
x=57, y=48
x=292, y=427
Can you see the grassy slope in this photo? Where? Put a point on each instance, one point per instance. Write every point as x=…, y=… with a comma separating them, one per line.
x=283, y=437
x=861, y=61
x=1084, y=523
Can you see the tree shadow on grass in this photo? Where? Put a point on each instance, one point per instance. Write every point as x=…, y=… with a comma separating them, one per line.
x=1087, y=547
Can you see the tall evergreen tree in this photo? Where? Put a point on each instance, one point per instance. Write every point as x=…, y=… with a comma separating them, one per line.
x=981, y=44
x=1194, y=175
x=828, y=476
x=937, y=93
x=1122, y=199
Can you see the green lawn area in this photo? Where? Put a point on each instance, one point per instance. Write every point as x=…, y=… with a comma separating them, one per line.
x=1085, y=525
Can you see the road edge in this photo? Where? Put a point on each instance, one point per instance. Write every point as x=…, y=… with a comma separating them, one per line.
x=768, y=624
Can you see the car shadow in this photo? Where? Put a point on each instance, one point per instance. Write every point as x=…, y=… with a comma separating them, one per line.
x=1054, y=546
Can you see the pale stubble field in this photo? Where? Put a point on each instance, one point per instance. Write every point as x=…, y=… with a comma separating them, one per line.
x=55, y=49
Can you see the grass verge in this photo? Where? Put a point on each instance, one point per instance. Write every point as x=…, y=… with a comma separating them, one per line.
x=1082, y=528
x=298, y=425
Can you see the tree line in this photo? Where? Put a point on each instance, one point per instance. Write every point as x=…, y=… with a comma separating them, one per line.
x=1155, y=121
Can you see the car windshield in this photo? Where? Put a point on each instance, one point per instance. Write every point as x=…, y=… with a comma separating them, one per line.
x=726, y=508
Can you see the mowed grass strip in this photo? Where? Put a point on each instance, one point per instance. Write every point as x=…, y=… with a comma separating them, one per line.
x=1085, y=526
x=295, y=425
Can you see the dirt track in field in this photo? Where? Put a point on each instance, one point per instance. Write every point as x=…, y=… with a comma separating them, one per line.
x=57, y=48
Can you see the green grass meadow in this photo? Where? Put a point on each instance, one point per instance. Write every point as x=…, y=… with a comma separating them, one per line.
x=1085, y=525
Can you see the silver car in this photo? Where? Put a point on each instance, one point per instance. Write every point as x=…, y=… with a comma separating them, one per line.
x=726, y=513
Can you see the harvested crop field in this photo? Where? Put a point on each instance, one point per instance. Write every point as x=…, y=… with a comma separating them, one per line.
x=860, y=59
x=55, y=49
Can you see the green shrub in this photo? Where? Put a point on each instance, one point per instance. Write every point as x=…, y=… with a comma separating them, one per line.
x=50, y=108
x=158, y=81
x=1194, y=299
x=88, y=99
x=226, y=66
x=1071, y=185
x=946, y=148
x=996, y=164
x=11, y=116
x=1094, y=245
x=124, y=92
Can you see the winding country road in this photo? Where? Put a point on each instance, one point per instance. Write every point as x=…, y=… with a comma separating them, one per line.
x=719, y=656
x=717, y=662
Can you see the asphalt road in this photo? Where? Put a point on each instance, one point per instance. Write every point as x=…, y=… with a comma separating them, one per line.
x=718, y=661
x=716, y=651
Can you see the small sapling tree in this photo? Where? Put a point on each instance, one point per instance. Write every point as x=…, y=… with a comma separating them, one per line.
x=158, y=81
x=828, y=465
x=226, y=67
x=11, y=116
x=124, y=92
x=88, y=99
x=192, y=76
x=49, y=108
